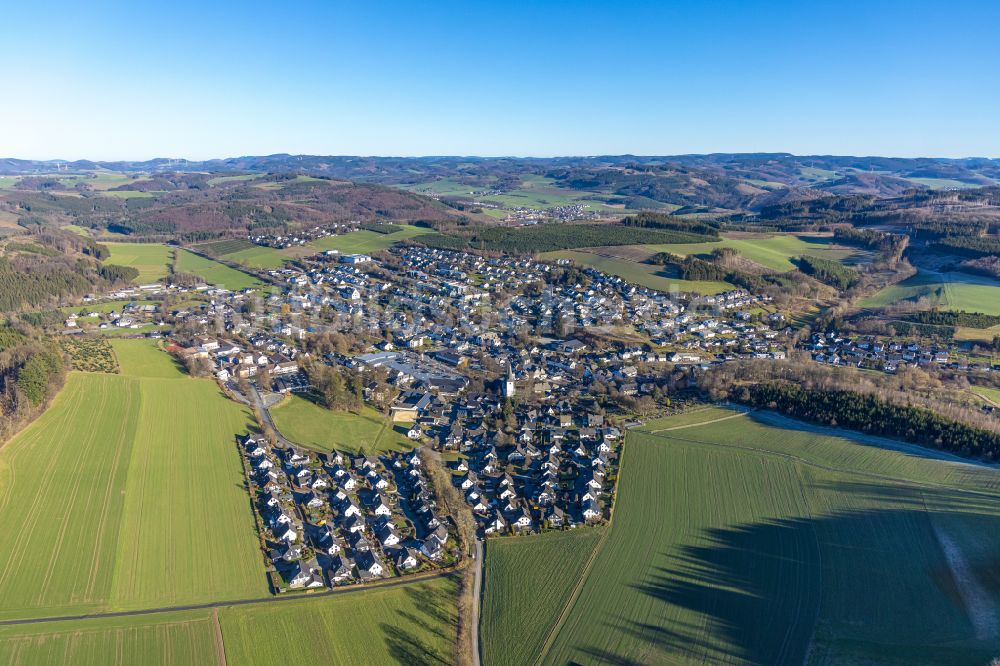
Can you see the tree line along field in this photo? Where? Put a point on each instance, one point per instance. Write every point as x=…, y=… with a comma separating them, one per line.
x=315, y=427
x=754, y=541
x=116, y=495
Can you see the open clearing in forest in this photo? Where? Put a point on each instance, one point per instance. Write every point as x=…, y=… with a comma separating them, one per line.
x=737, y=541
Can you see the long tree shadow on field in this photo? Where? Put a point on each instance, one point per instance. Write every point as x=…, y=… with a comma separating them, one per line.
x=418, y=637
x=752, y=593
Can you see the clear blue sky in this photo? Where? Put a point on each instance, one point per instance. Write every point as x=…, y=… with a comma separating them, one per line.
x=136, y=80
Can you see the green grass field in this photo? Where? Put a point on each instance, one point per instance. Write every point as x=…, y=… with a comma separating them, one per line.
x=152, y=260
x=127, y=493
x=412, y=624
x=942, y=183
x=169, y=639
x=991, y=394
x=361, y=241
x=646, y=275
x=316, y=427
x=757, y=540
x=130, y=194
x=242, y=251
x=548, y=566
x=258, y=257
x=218, y=180
x=409, y=624
x=952, y=291
x=213, y=272
x=771, y=251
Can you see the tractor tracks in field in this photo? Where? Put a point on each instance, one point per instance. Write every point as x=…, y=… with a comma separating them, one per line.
x=567, y=608
x=215, y=605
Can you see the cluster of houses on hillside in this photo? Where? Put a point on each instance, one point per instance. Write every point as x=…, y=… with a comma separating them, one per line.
x=130, y=315
x=882, y=353
x=335, y=519
x=231, y=360
x=301, y=236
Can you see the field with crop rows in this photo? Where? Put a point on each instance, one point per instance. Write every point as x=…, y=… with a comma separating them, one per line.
x=774, y=251
x=169, y=639
x=411, y=624
x=118, y=493
x=213, y=272
x=753, y=540
x=646, y=275
x=361, y=241
x=549, y=566
x=152, y=260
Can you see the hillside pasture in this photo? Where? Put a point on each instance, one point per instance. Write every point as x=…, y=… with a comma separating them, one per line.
x=992, y=395
x=213, y=272
x=361, y=241
x=951, y=291
x=258, y=256
x=773, y=251
x=752, y=540
x=61, y=501
x=152, y=260
x=645, y=275
x=315, y=427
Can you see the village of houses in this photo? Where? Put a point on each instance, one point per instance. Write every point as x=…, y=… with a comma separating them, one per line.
x=501, y=363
